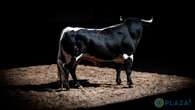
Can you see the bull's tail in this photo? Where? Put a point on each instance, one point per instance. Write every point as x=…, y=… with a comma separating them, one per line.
x=147, y=21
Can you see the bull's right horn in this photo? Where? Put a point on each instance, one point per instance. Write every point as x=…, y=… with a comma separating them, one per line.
x=147, y=21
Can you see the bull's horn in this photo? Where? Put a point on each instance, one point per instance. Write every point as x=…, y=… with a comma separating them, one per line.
x=147, y=21
x=121, y=19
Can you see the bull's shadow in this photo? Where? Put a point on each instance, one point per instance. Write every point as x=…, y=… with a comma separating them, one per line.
x=170, y=99
x=53, y=86
x=164, y=68
x=152, y=66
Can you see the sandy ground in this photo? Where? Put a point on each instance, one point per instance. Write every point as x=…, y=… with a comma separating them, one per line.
x=35, y=87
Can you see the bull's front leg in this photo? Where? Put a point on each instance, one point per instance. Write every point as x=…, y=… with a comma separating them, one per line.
x=128, y=68
x=118, y=71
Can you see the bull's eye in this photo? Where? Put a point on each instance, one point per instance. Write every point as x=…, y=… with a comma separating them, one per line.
x=75, y=47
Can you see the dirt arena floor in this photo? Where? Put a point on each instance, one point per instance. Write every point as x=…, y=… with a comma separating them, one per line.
x=35, y=87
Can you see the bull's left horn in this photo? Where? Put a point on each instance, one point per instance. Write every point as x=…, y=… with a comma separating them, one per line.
x=147, y=21
x=121, y=19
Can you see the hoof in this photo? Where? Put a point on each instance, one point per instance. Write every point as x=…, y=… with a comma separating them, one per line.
x=77, y=85
x=61, y=89
x=130, y=84
x=118, y=82
x=67, y=88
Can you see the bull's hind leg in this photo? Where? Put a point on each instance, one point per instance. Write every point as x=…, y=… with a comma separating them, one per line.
x=73, y=74
x=118, y=71
x=63, y=74
x=66, y=82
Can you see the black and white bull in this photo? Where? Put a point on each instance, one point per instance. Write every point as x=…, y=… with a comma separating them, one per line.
x=115, y=44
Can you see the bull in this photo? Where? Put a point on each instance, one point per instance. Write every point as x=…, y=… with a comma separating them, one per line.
x=115, y=44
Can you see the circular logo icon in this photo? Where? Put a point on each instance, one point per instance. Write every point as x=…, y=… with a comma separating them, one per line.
x=159, y=102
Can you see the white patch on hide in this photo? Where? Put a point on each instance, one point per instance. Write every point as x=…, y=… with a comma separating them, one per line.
x=131, y=56
x=125, y=56
x=72, y=29
x=77, y=58
x=67, y=29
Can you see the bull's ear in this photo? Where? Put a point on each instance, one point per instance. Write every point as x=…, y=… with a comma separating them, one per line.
x=121, y=18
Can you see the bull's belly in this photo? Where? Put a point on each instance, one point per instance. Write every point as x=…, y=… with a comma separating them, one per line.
x=93, y=59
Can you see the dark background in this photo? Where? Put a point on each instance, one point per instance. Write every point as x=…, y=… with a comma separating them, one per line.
x=31, y=30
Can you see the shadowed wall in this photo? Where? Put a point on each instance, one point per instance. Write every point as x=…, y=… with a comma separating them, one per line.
x=31, y=37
